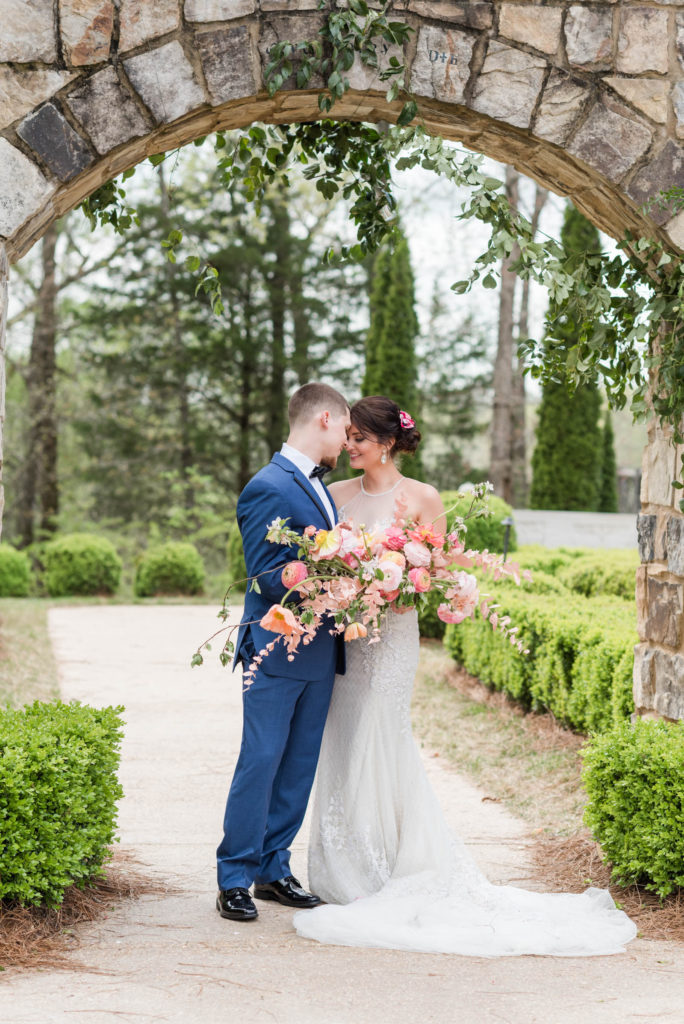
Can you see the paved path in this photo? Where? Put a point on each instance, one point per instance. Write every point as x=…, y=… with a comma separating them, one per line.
x=172, y=959
x=575, y=529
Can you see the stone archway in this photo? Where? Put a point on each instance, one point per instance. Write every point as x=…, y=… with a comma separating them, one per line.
x=588, y=100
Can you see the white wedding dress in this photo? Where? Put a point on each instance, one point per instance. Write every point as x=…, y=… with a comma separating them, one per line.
x=380, y=853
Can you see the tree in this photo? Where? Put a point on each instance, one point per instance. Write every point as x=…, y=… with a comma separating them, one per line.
x=608, y=501
x=566, y=463
x=390, y=343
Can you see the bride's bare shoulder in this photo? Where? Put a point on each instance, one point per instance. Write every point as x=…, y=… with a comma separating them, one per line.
x=343, y=490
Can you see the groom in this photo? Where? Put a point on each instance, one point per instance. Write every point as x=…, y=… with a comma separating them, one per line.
x=285, y=706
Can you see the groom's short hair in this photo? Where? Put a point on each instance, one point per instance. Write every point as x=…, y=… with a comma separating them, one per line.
x=313, y=398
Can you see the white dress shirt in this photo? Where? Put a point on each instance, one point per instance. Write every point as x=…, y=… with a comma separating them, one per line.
x=306, y=464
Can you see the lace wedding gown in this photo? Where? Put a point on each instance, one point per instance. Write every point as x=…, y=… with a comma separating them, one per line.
x=380, y=853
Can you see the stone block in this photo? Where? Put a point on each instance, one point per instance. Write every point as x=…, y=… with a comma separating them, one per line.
x=22, y=91
x=563, y=101
x=649, y=95
x=664, y=604
x=107, y=111
x=218, y=10
x=668, y=684
x=679, y=38
x=589, y=36
x=165, y=80
x=646, y=534
x=663, y=171
x=441, y=67
x=470, y=15
x=28, y=31
x=675, y=545
x=537, y=26
x=675, y=230
x=59, y=146
x=643, y=677
x=288, y=5
x=23, y=189
x=678, y=106
x=658, y=469
x=643, y=41
x=611, y=140
x=292, y=28
x=229, y=70
x=362, y=77
x=86, y=29
x=139, y=23
x=508, y=85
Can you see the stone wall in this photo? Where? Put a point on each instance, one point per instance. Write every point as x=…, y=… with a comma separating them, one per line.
x=588, y=99
x=659, y=657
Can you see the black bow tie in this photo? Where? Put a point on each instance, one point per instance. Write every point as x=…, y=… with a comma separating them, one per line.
x=318, y=472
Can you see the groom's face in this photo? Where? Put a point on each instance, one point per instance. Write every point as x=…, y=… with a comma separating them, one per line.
x=335, y=437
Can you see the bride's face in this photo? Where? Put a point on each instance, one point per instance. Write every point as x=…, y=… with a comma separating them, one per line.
x=364, y=450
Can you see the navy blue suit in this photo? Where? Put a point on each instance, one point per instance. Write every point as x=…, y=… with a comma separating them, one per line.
x=285, y=707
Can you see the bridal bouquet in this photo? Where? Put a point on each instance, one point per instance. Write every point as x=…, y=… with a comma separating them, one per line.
x=346, y=579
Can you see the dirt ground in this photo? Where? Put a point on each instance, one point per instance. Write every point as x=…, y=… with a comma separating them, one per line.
x=170, y=958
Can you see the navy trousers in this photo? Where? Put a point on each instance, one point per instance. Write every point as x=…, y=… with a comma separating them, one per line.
x=281, y=739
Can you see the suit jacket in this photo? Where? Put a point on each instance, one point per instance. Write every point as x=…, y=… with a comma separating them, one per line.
x=280, y=490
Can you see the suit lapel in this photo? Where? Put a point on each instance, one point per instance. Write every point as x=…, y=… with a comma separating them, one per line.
x=305, y=484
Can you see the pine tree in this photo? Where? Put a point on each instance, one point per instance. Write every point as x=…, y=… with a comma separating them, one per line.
x=566, y=463
x=390, y=344
x=608, y=501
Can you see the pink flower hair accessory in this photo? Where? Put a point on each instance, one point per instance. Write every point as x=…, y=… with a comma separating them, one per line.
x=406, y=421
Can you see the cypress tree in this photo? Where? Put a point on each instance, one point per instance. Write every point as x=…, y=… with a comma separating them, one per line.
x=390, y=344
x=608, y=499
x=566, y=463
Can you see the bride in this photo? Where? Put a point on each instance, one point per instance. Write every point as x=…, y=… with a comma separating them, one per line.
x=380, y=853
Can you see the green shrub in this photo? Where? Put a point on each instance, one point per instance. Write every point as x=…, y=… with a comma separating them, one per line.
x=81, y=563
x=481, y=533
x=603, y=572
x=236, y=558
x=579, y=661
x=15, y=572
x=171, y=568
x=634, y=777
x=58, y=793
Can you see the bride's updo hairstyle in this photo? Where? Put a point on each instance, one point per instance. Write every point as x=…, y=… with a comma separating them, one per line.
x=380, y=417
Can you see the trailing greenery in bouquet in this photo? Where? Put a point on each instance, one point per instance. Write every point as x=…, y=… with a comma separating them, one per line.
x=346, y=580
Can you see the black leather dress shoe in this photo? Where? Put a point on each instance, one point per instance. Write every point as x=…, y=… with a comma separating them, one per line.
x=236, y=905
x=287, y=891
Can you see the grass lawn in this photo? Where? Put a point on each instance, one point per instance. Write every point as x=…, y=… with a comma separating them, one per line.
x=28, y=670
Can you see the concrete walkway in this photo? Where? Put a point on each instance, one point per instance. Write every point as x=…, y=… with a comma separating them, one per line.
x=172, y=959
x=575, y=529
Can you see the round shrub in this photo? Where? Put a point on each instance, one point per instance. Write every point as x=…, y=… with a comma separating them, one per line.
x=15, y=572
x=81, y=563
x=236, y=558
x=634, y=777
x=171, y=568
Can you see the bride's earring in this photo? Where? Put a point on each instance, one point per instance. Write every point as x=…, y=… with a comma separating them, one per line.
x=383, y=458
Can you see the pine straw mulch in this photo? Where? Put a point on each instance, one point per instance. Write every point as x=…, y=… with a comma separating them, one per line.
x=41, y=937
x=571, y=863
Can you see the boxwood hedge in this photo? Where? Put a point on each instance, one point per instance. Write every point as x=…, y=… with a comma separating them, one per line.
x=81, y=563
x=15, y=572
x=58, y=794
x=172, y=568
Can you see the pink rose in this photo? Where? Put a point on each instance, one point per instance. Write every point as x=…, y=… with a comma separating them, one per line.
x=293, y=573
x=417, y=554
x=395, y=539
x=420, y=578
x=448, y=614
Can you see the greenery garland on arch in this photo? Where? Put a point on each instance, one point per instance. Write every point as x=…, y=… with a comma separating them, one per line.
x=628, y=306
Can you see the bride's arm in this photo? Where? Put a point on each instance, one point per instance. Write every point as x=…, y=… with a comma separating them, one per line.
x=432, y=508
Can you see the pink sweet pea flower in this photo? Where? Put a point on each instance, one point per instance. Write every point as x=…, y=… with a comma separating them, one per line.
x=420, y=578
x=280, y=620
x=417, y=554
x=462, y=598
x=293, y=573
x=426, y=533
